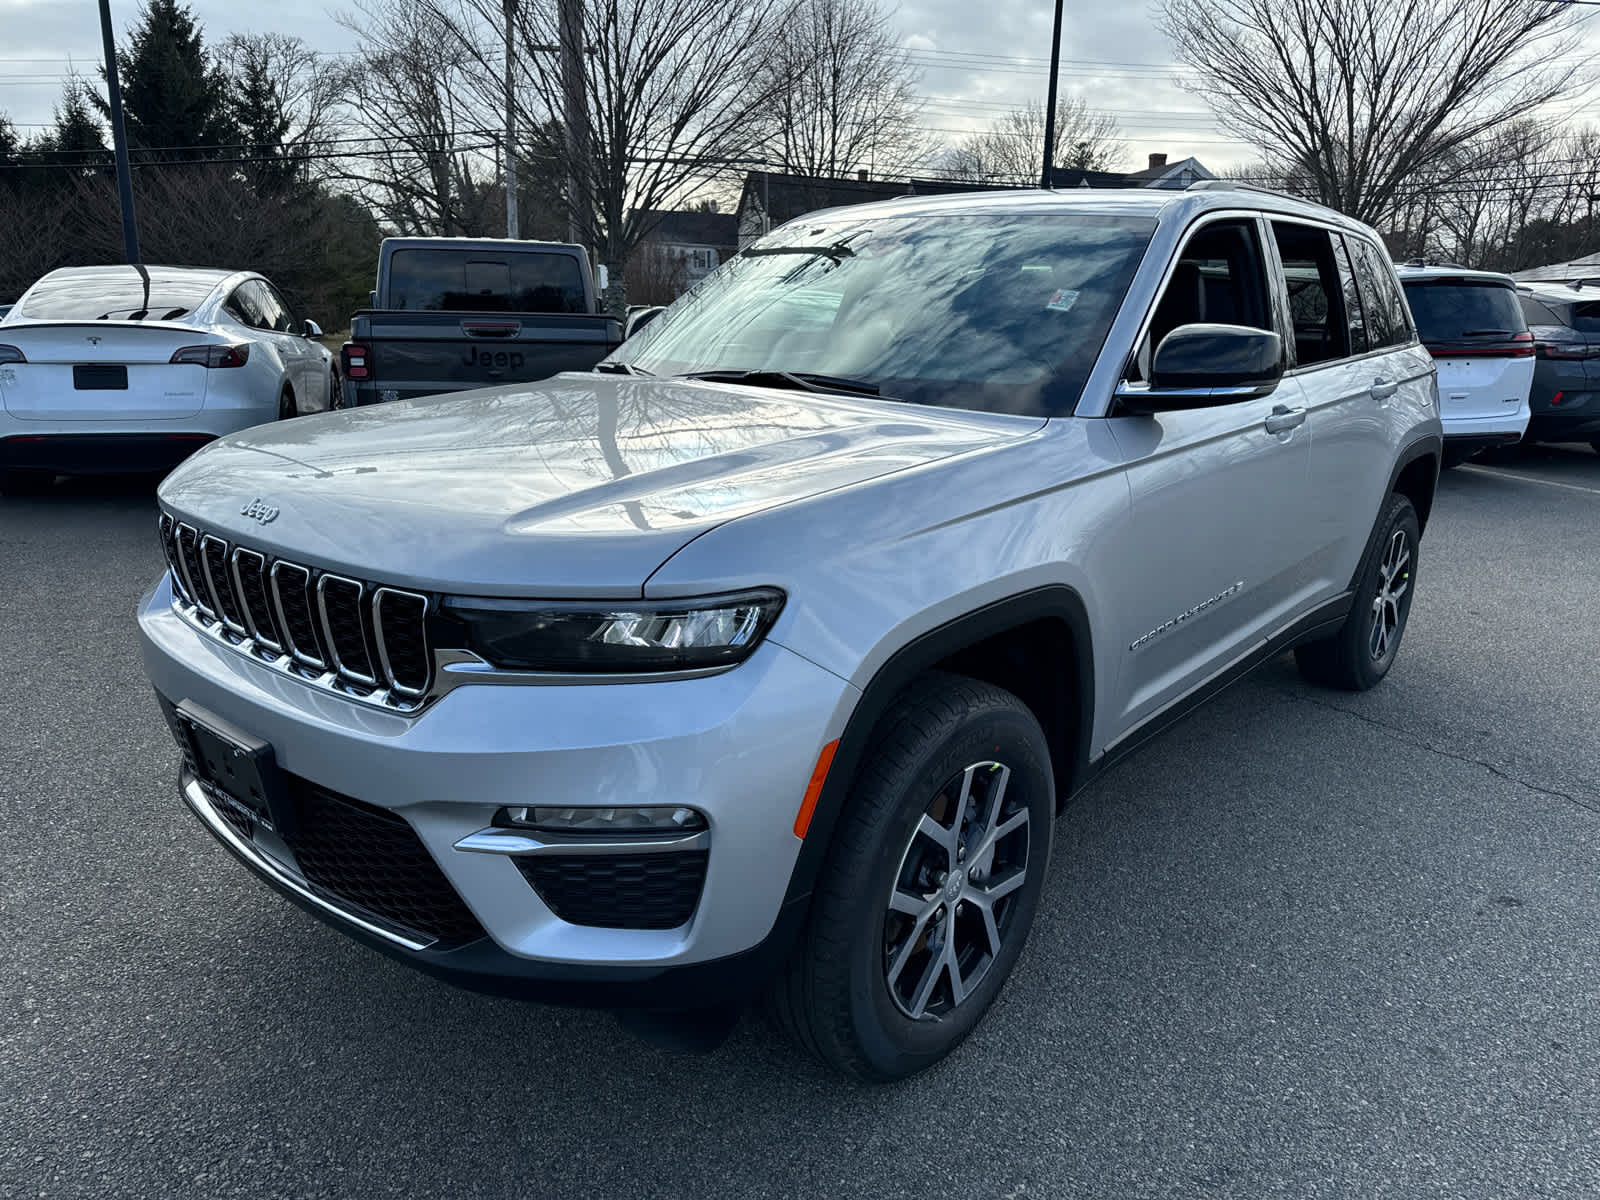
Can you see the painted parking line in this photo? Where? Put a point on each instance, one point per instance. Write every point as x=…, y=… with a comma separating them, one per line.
x=1496, y=474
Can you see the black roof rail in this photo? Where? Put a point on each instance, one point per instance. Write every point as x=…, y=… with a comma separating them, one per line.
x=1433, y=262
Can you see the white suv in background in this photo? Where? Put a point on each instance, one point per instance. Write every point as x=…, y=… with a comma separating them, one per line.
x=1472, y=323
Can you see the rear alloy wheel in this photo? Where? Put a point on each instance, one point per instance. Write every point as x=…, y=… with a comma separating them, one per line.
x=1361, y=653
x=286, y=406
x=22, y=482
x=931, y=883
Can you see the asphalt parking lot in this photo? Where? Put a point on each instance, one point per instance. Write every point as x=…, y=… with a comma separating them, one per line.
x=1304, y=944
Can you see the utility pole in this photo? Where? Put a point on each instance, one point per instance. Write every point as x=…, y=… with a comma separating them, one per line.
x=576, y=119
x=1050, y=104
x=513, y=228
x=119, y=138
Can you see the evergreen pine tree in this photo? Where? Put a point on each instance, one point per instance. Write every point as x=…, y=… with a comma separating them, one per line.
x=174, y=97
x=261, y=122
x=78, y=136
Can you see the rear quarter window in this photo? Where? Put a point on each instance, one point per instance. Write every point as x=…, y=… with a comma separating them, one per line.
x=485, y=281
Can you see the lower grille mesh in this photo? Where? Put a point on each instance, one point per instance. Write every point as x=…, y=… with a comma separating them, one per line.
x=640, y=891
x=371, y=858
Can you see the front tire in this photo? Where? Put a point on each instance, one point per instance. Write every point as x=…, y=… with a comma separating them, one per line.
x=931, y=883
x=1361, y=653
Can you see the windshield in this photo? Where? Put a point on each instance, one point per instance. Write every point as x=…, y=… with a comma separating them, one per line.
x=1447, y=310
x=115, y=296
x=996, y=312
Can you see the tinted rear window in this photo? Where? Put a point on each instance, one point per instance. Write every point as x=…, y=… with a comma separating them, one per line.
x=119, y=296
x=1449, y=309
x=473, y=281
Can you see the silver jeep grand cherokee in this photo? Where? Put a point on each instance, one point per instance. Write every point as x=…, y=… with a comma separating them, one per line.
x=763, y=658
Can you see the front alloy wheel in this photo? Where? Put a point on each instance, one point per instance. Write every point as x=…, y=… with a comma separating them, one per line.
x=953, y=900
x=932, y=878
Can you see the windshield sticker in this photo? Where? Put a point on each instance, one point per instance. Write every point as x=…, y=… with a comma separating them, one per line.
x=1062, y=300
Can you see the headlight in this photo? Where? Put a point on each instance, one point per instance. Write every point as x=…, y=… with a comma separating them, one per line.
x=623, y=638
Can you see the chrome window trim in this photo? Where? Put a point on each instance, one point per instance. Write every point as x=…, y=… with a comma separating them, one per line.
x=383, y=649
x=339, y=664
x=216, y=592
x=289, y=642
x=244, y=603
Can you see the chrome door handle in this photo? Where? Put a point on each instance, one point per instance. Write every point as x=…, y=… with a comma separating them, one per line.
x=1284, y=419
x=1383, y=388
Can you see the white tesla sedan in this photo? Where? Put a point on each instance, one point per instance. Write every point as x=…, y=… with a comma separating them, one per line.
x=126, y=369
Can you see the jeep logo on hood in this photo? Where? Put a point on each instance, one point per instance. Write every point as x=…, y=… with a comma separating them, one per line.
x=259, y=511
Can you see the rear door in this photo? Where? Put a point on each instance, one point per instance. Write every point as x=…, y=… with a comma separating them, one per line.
x=1478, y=336
x=300, y=356
x=105, y=371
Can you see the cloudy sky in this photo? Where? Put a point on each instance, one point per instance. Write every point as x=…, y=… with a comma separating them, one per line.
x=977, y=60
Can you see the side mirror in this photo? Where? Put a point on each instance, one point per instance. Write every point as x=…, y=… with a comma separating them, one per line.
x=1197, y=366
x=312, y=330
x=638, y=319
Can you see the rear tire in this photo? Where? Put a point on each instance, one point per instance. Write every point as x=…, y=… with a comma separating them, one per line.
x=21, y=482
x=335, y=390
x=287, y=408
x=930, y=885
x=1361, y=653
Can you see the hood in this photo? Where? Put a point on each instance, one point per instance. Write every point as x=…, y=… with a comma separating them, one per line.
x=579, y=486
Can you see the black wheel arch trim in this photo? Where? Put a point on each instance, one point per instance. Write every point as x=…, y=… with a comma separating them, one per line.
x=1429, y=444
x=1051, y=602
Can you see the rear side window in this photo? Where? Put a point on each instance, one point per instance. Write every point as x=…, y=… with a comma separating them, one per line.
x=472, y=281
x=1387, y=319
x=1316, y=294
x=119, y=295
x=1452, y=310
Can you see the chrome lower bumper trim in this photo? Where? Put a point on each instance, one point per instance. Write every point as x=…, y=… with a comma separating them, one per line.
x=194, y=796
x=521, y=843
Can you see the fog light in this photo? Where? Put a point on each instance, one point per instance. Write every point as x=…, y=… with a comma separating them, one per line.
x=664, y=819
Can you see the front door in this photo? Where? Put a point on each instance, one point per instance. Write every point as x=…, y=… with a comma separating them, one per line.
x=1218, y=496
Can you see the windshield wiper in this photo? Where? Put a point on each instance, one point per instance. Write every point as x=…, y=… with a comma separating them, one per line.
x=805, y=381
x=837, y=251
x=618, y=368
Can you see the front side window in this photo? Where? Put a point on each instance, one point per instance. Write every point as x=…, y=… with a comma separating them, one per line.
x=485, y=281
x=1316, y=293
x=991, y=311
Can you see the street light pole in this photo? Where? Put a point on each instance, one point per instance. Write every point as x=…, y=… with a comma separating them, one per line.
x=119, y=139
x=1050, y=104
x=512, y=226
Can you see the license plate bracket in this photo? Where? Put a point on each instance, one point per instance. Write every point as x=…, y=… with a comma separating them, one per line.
x=241, y=767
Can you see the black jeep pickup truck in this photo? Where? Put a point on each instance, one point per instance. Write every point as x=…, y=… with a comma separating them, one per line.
x=450, y=314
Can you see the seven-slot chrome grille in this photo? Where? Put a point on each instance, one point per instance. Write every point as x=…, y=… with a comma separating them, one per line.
x=368, y=641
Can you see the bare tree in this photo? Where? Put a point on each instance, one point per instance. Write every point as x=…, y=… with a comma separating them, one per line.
x=1360, y=97
x=1011, y=150
x=673, y=95
x=842, y=93
x=289, y=98
x=428, y=167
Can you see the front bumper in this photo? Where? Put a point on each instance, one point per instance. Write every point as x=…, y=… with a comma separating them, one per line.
x=739, y=747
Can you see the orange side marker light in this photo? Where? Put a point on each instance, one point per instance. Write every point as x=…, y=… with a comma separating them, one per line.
x=802, y=820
